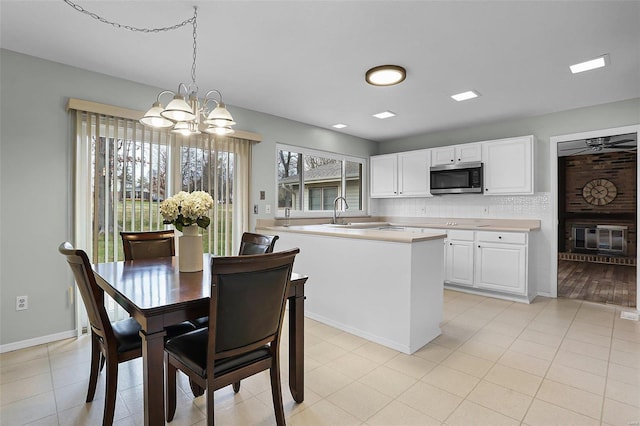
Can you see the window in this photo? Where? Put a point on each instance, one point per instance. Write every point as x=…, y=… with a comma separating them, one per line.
x=310, y=181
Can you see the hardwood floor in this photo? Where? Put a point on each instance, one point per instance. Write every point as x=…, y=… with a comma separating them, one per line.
x=597, y=282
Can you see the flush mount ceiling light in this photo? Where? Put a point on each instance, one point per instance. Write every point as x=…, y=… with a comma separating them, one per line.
x=591, y=64
x=386, y=75
x=384, y=114
x=339, y=126
x=465, y=96
x=186, y=114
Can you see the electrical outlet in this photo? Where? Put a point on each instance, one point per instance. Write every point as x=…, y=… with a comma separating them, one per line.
x=267, y=208
x=22, y=303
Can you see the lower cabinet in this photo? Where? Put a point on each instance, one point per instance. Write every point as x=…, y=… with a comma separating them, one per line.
x=488, y=261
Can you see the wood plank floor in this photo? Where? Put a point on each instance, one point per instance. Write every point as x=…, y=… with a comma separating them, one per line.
x=597, y=282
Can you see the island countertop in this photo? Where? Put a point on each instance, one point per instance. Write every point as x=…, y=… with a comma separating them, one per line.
x=401, y=230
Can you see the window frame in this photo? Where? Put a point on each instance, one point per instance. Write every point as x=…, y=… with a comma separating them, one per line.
x=279, y=212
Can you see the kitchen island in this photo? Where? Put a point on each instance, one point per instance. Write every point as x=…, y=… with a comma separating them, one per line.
x=386, y=287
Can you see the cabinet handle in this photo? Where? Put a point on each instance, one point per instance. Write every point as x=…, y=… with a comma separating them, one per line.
x=478, y=245
x=450, y=244
x=451, y=160
x=486, y=190
x=459, y=159
x=499, y=237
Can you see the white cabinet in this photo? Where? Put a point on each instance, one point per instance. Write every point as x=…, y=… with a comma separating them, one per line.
x=384, y=175
x=459, y=254
x=501, y=262
x=405, y=174
x=456, y=154
x=508, y=166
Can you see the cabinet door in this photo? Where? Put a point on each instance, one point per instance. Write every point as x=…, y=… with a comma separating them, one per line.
x=444, y=155
x=501, y=267
x=458, y=259
x=384, y=175
x=508, y=166
x=413, y=173
x=468, y=152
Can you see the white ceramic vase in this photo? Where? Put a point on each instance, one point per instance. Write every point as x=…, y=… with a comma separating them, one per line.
x=190, y=249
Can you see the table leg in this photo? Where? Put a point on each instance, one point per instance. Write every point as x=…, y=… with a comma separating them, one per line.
x=296, y=347
x=153, y=373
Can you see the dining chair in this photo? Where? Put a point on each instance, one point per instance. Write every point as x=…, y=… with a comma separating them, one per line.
x=249, y=244
x=148, y=244
x=248, y=298
x=111, y=343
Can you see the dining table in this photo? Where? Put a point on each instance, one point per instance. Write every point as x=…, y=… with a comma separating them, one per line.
x=156, y=294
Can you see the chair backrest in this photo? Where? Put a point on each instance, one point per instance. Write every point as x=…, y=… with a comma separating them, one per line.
x=248, y=298
x=147, y=245
x=92, y=294
x=256, y=243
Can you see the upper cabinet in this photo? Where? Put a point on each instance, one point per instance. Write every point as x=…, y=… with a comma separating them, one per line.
x=405, y=174
x=456, y=154
x=508, y=166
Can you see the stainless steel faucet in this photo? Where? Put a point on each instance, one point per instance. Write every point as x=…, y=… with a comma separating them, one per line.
x=335, y=207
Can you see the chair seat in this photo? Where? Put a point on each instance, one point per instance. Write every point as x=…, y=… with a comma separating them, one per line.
x=178, y=329
x=201, y=322
x=191, y=350
x=127, y=334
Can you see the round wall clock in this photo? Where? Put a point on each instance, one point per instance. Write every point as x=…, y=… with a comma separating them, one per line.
x=599, y=192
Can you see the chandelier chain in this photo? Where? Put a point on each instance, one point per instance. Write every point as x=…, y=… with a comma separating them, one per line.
x=131, y=28
x=195, y=45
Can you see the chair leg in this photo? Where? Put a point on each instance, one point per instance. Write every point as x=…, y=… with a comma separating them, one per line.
x=96, y=357
x=195, y=388
x=236, y=387
x=110, y=393
x=210, y=406
x=170, y=387
x=276, y=392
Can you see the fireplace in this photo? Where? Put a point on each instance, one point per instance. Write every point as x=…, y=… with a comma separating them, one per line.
x=599, y=239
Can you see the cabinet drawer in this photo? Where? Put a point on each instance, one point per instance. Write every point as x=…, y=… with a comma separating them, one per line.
x=502, y=237
x=460, y=235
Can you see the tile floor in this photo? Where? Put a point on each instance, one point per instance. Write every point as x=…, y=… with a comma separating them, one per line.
x=554, y=362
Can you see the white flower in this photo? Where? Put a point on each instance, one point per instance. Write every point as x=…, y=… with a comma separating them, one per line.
x=184, y=209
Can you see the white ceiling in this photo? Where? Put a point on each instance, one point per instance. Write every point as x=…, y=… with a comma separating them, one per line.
x=305, y=60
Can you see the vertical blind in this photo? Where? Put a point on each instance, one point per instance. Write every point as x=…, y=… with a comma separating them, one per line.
x=124, y=171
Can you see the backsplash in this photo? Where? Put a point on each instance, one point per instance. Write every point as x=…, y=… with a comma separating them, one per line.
x=537, y=206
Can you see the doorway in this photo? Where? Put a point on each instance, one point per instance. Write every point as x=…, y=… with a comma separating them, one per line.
x=595, y=197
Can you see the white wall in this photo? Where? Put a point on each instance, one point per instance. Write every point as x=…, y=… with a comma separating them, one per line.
x=36, y=170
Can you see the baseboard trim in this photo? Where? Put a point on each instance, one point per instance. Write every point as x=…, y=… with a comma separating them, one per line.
x=37, y=341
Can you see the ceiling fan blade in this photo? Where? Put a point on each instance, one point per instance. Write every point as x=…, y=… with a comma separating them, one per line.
x=619, y=142
x=580, y=152
x=571, y=149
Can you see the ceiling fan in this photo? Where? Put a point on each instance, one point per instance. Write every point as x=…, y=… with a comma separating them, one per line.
x=594, y=145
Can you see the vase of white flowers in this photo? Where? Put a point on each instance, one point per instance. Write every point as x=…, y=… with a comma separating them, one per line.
x=188, y=212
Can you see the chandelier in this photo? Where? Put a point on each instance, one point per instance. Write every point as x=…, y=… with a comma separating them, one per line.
x=186, y=114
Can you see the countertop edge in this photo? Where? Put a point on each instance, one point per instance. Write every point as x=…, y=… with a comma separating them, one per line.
x=364, y=234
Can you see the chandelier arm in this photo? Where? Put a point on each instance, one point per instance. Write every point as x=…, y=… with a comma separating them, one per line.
x=164, y=92
x=128, y=27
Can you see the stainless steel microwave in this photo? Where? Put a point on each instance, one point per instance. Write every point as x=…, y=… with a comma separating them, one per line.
x=458, y=178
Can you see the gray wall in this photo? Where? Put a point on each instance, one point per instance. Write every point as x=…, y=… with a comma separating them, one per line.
x=616, y=114
x=36, y=175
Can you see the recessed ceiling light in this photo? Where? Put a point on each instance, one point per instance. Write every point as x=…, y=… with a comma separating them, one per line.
x=339, y=126
x=592, y=64
x=464, y=96
x=384, y=114
x=386, y=75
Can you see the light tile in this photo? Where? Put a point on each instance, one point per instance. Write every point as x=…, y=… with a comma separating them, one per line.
x=8, y=359
x=503, y=400
x=469, y=364
x=628, y=359
x=25, y=388
x=624, y=374
x=542, y=338
x=250, y=411
x=534, y=349
x=625, y=345
x=493, y=338
x=324, y=381
x=482, y=350
x=359, y=400
x=323, y=413
x=589, y=336
x=430, y=400
x=470, y=414
x=399, y=414
x=28, y=409
x=623, y=392
x=388, y=381
x=579, y=347
x=618, y=413
x=577, y=378
x=516, y=380
x=375, y=352
x=453, y=381
x=30, y=368
x=433, y=352
x=543, y=413
x=411, y=366
x=571, y=398
x=324, y=352
x=352, y=365
x=524, y=362
x=581, y=362
x=631, y=336
x=347, y=341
